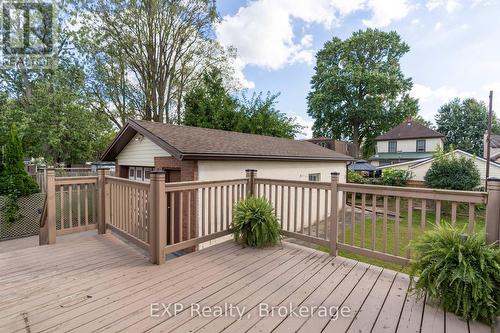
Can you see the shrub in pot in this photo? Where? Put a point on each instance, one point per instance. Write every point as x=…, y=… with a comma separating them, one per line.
x=460, y=273
x=254, y=223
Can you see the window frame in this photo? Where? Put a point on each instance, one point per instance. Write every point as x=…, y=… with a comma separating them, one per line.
x=131, y=172
x=424, y=146
x=389, y=150
x=314, y=175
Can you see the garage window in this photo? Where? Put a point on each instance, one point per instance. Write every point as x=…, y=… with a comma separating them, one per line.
x=314, y=177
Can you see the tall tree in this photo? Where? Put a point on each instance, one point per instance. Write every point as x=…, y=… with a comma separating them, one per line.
x=464, y=123
x=166, y=45
x=358, y=90
x=211, y=105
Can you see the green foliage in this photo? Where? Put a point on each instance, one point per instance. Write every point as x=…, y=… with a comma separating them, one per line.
x=461, y=275
x=14, y=181
x=452, y=172
x=358, y=90
x=355, y=177
x=464, y=123
x=395, y=177
x=211, y=105
x=254, y=223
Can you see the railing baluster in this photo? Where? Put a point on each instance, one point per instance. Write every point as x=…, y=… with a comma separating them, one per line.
x=302, y=209
x=203, y=211
x=472, y=219
x=61, y=199
x=209, y=210
x=326, y=231
x=374, y=220
x=216, y=210
x=227, y=208
x=344, y=205
x=295, y=209
x=288, y=209
x=353, y=216
x=181, y=216
x=363, y=209
x=281, y=205
x=78, y=206
x=276, y=200
x=423, y=212
x=70, y=205
x=453, y=213
x=309, y=213
x=172, y=218
x=188, y=232
x=318, y=220
x=384, y=230
x=438, y=212
x=396, y=228
x=410, y=224
x=86, y=204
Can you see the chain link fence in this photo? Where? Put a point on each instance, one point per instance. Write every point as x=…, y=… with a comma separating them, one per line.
x=30, y=210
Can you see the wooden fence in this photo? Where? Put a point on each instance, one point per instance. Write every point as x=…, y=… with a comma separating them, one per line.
x=373, y=221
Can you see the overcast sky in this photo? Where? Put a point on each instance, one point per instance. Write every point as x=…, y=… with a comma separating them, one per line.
x=454, y=44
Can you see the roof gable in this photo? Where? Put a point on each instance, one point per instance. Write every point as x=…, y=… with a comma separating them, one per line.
x=184, y=142
x=409, y=129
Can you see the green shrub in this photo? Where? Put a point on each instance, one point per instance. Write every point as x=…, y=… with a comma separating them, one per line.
x=355, y=177
x=453, y=173
x=459, y=273
x=254, y=223
x=395, y=177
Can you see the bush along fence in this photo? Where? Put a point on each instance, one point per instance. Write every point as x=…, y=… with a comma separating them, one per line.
x=373, y=221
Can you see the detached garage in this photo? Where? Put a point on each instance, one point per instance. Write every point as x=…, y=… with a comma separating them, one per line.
x=193, y=153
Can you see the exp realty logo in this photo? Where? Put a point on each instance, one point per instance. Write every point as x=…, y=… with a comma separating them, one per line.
x=27, y=33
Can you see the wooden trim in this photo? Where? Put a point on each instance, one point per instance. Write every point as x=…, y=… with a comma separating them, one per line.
x=127, y=182
x=76, y=229
x=305, y=238
x=417, y=193
x=136, y=241
x=298, y=183
x=193, y=185
x=75, y=180
x=374, y=254
x=195, y=241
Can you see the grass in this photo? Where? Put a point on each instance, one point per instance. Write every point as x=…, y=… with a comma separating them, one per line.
x=416, y=232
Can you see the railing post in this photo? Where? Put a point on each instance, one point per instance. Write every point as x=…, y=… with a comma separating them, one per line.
x=48, y=230
x=251, y=174
x=102, y=200
x=334, y=214
x=493, y=211
x=158, y=217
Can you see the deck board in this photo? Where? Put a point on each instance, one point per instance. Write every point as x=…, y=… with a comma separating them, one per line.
x=100, y=283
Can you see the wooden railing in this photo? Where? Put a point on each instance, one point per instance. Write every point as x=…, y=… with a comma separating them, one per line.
x=127, y=206
x=75, y=203
x=373, y=221
x=200, y=211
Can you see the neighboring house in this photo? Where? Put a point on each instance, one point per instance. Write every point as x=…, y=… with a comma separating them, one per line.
x=419, y=168
x=193, y=153
x=408, y=141
x=343, y=147
x=494, y=147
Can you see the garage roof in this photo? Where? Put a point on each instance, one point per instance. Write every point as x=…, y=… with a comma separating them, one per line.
x=185, y=142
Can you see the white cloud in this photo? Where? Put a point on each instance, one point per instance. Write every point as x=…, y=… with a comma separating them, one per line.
x=438, y=26
x=384, y=12
x=307, y=130
x=449, y=5
x=263, y=34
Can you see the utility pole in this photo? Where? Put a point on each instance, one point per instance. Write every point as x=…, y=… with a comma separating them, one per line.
x=488, y=140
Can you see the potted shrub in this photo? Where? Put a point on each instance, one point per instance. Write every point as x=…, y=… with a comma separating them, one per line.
x=458, y=272
x=254, y=223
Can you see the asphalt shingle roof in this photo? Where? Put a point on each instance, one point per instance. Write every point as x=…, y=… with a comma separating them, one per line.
x=409, y=130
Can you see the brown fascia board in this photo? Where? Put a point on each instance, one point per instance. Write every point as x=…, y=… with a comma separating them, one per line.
x=210, y=156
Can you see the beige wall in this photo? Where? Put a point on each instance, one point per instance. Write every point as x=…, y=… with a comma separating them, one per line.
x=219, y=170
x=410, y=145
x=140, y=152
x=420, y=171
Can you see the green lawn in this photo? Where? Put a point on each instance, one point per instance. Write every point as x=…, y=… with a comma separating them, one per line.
x=416, y=231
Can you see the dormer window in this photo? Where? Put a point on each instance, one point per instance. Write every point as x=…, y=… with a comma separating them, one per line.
x=393, y=146
x=420, y=146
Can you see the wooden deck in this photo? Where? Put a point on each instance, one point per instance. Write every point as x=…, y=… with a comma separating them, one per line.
x=102, y=284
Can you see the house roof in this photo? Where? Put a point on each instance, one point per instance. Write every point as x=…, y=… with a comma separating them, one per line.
x=409, y=129
x=361, y=165
x=409, y=163
x=457, y=151
x=495, y=141
x=400, y=156
x=184, y=142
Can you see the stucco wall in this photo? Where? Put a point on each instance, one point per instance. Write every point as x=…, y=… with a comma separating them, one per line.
x=420, y=171
x=140, y=152
x=410, y=145
x=219, y=170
